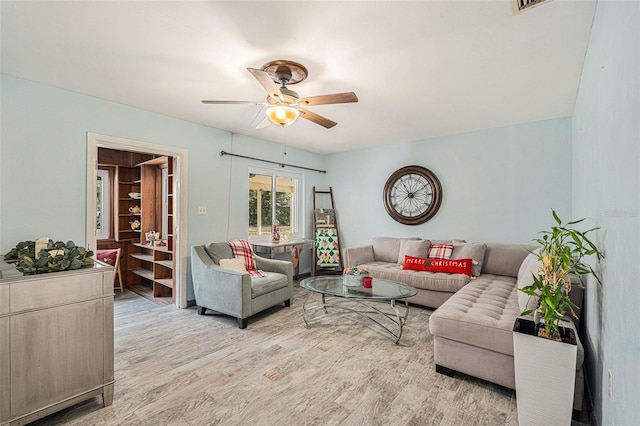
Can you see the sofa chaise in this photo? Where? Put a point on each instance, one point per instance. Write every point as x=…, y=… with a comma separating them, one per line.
x=472, y=325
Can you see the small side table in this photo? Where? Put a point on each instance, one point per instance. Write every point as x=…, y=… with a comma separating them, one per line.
x=270, y=249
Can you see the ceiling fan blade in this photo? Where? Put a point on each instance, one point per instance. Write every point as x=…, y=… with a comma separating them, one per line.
x=315, y=118
x=264, y=123
x=269, y=85
x=234, y=103
x=336, y=98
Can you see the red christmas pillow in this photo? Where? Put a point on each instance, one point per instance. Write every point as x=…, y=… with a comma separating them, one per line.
x=455, y=266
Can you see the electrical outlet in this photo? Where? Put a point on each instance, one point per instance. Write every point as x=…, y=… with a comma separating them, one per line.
x=202, y=210
x=610, y=377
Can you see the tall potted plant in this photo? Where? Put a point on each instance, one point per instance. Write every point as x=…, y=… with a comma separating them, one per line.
x=545, y=349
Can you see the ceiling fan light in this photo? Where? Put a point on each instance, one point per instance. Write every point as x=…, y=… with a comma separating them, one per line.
x=282, y=115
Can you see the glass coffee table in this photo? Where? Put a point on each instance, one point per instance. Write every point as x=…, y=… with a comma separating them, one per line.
x=359, y=300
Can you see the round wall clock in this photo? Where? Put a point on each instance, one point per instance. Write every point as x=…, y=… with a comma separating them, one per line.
x=412, y=195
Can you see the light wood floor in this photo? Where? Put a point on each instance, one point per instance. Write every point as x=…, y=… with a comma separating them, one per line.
x=174, y=367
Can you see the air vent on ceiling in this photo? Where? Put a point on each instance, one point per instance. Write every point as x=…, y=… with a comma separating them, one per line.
x=522, y=5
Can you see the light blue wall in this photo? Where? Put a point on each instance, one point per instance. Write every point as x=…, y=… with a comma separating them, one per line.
x=43, y=163
x=606, y=187
x=498, y=184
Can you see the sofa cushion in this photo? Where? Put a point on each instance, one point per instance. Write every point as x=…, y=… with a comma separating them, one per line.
x=530, y=267
x=453, y=241
x=504, y=259
x=416, y=248
x=386, y=249
x=480, y=314
x=473, y=250
x=436, y=281
x=440, y=251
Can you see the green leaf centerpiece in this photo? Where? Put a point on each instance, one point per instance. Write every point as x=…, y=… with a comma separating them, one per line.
x=45, y=255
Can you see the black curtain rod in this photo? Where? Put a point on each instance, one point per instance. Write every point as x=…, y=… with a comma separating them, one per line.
x=222, y=153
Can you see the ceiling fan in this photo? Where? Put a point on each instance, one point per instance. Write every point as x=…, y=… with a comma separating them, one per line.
x=285, y=104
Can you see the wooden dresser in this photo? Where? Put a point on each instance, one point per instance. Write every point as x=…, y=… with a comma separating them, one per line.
x=56, y=342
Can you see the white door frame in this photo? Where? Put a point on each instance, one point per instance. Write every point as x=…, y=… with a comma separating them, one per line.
x=95, y=141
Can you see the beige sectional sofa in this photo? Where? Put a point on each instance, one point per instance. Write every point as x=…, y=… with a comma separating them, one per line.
x=472, y=325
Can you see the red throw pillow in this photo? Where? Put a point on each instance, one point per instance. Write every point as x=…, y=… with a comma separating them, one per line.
x=455, y=266
x=108, y=257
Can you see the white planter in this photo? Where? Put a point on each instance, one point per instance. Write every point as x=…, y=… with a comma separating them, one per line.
x=545, y=373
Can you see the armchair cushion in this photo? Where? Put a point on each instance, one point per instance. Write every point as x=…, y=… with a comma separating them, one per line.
x=235, y=264
x=217, y=251
x=271, y=282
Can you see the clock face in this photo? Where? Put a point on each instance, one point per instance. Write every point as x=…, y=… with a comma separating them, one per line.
x=412, y=195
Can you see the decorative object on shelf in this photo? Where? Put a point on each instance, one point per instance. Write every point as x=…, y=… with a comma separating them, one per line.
x=43, y=255
x=354, y=276
x=135, y=195
x=412, y=195
x=545, y=349
x=135, y=225
x=152, y=237
x=275, y=234
x=134, y=209
x=562, y=249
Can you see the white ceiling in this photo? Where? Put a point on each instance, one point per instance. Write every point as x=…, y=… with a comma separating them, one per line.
x=420, y=69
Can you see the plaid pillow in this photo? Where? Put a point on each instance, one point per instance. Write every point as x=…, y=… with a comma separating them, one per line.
x=440, y=251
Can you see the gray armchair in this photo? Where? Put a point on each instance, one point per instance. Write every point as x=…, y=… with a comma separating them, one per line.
x=236, y=293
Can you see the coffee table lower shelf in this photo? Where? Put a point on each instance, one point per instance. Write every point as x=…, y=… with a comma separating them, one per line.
x=378, y=304
x=367, y=311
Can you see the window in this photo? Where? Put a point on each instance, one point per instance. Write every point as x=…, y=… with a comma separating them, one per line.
x=103, y=224
x=273, y=195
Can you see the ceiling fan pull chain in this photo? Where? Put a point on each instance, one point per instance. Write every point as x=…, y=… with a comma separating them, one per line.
x=284, y=145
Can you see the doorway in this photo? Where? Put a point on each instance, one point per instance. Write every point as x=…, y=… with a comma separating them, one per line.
x=178, y=223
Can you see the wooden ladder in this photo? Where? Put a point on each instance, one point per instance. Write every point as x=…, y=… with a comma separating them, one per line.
x=327, y=259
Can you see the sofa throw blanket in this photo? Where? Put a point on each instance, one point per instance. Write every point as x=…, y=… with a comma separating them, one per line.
x=242, y=250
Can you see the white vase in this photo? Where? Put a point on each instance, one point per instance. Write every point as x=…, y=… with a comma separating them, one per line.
x=545, y=373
